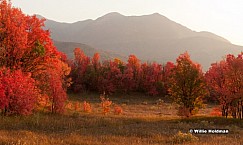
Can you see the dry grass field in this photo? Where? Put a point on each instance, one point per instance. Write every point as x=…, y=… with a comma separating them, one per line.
x=144, y=121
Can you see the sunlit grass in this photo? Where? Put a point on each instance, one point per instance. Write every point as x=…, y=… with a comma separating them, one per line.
x=141, y=123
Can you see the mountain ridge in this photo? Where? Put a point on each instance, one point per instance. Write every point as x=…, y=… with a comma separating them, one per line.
x=68, y=49
x=115, y=14
x=151, y=37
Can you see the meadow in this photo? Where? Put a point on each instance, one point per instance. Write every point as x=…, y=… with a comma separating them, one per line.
x=144, y=121
x=36, y=109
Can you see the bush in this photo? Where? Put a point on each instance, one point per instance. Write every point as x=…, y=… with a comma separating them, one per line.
x=87, y=107
x=105, y=104
x=216, y=112
x=20, y=93
x=117, y=110
x=184, y=137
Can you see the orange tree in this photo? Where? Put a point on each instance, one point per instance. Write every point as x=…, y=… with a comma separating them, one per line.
x=187, y=85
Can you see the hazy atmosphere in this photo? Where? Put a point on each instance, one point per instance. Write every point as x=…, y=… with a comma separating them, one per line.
x=223, y=18
x=140, y=72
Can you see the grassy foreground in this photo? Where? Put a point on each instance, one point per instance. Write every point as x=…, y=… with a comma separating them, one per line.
x=143, y=122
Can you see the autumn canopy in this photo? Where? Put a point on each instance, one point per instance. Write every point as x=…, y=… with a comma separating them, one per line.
x=31, y=68
x=34, y=76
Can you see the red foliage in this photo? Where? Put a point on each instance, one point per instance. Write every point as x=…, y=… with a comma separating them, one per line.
x=109, y=78
x=134, y=64
x=216, y=80
x=24, y=43
x=87, y=107
x=27, y=47
x=225, y=83
x=18, y=92
x=57, y=95
x=95, y=61
x=116, y=76
x=166, y=74
x=216, y=112
x=79, y=68
x=151, y=76
x=117, y=110
x=105, y=104
x=3, y=98
x=127, y=82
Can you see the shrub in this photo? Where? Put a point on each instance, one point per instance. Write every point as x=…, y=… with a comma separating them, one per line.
x=105, y=104
x=184, y=137
x=77, y=106
x=117, y=110
x=216, y=111
x=18, y=92
x=87, y=107
x=69, y=106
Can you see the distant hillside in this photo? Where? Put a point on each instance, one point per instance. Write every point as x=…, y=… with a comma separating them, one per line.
x=150, y=37
x=68, y=47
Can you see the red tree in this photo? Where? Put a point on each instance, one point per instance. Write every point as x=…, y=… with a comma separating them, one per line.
x=27, y=47
x=151, y=78
x=134, y=65
x=216, y=80
x=166, y=75
x=79, y=70
x=93, y=72
x=109, y=78
x=225, y=82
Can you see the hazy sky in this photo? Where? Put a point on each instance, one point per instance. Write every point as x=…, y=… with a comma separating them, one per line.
x=222, y=17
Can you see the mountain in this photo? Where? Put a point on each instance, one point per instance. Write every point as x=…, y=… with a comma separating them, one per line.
x=68, y=48
x=150, y=37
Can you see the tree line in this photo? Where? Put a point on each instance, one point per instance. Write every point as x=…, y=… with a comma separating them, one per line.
x=35, y=76
x=184, y=80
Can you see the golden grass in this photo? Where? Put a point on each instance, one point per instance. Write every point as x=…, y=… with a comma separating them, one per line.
x=141, y=123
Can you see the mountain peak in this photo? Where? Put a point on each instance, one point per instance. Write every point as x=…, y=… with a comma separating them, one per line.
x=151, y=37
x=156, y=14
x=39, y=16
x=111, y=15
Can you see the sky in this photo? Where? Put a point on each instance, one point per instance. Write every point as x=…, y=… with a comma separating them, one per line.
x=222, y=17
